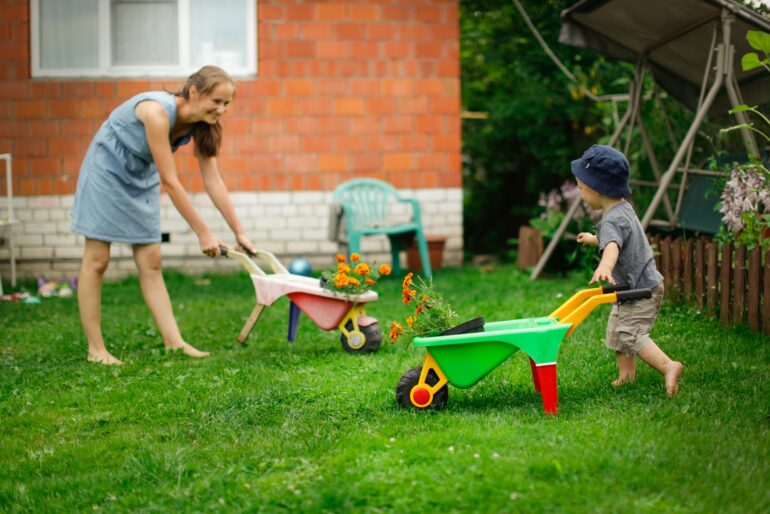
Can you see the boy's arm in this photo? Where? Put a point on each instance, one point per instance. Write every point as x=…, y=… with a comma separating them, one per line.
x=607, y=264
x=587, y=238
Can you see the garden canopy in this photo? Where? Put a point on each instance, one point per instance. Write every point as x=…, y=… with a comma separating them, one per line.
x=676, y=38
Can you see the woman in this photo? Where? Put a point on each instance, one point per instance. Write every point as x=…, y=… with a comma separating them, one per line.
x=117, y=197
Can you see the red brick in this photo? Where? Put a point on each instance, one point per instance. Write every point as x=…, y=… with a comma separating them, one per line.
x=77, y=89
x=429, y=87
x=332, y=163
x=397, y=87
x=364, y=87
x=85, y=128
x=365, y=50
x=105, y=89
x=366, y=163
x=43, y=128
x=92, y=109
x=300, y=163
x=301, y=125
x=12, y=128
x=377, y=106
x=351, y=143
x=331, y=87
x=330, y=12
x=428, y=50
x=415, y=142
x=278, y=144
x=364, y=12
x=44, y=89
x=348, y=107
x=354, y=31
x=417, y=105
x=428, y=14
x=397, y=162
x=259, y=88
x=29, y=109
x=383, y=143
x=299, y=12
x=316, y=31
x=299, y=87
x=397, y=49
x=44, y=166
x=16, y=89
x=270, y=12
x=266, y=126
x=429, y=124
x=449, y=144
x=230, y=165
x=436, y=161
x=333, y=50
x=365, y=125
x=20, y=32
x=282, y=107
x=395, y=13
x=379, y=32
x=285, y=31
x=445, y=34
x=302, y=49
x=232, y=126
x=448, y=68
x=65, y=147
x=62, y=108
x=129, y=88
x=13, y=51
x=316, y=144
x=247, y=145
x=397, y=124
x=251, y=107
x=14, y=12
x=29, y=147
x=28, y=186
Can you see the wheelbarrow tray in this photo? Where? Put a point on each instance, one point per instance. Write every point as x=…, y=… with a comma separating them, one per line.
x=467, y=358
x=326, y=308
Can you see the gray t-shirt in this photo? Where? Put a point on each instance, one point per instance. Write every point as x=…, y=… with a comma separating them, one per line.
x=636, y=265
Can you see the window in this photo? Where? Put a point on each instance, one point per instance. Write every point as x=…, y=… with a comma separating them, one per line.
x=130, y=38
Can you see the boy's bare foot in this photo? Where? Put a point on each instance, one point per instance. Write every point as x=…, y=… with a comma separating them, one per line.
x=672, y=377
x=103, y=357
x=188, y=350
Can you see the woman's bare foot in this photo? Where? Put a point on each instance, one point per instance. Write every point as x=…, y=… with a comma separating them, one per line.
x=623, y=380
x=672, y=377
x=103, y=357
x=188, y=350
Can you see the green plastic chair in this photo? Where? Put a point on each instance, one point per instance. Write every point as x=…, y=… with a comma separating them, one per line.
x=363, y=204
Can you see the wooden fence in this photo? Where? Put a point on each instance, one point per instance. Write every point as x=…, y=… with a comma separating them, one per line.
x=730, y=283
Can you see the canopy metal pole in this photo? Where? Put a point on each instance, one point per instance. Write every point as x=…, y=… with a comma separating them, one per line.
x=690, y=136
x=633, y=99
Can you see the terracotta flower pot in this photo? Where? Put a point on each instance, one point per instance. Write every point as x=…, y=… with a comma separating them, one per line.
x=435, y=250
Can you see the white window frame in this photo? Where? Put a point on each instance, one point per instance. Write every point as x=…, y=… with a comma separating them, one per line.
x=105, y=48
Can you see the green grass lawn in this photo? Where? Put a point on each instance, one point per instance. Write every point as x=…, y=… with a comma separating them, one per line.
x=306, y=427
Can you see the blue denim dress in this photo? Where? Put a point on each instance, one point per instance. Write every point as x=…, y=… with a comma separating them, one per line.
x=118, y=193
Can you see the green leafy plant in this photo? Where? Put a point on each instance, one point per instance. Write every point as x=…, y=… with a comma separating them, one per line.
x=745, y=205
x=432, y=314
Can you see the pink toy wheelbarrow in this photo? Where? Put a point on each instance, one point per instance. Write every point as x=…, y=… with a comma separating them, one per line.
x=359, y=333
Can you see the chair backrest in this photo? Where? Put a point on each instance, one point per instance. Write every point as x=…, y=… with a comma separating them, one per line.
x=365, y=200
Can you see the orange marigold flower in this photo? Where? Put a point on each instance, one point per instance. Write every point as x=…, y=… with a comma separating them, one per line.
x=340, y=257
x=341, y=280
x=353, y=281
x=385, y=269
x=408, y=295
x=418, y=310
x=396, y=329
x=343, y=268
x=362, y=269
x=370, y=281
x=407, y=281
x=354, y=257
x=410, y=321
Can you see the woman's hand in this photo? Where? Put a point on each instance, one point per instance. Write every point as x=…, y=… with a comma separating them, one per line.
x=586, y=238
x=209, y=244
x=245, y=244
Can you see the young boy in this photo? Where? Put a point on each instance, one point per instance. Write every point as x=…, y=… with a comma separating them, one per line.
x=626, y=258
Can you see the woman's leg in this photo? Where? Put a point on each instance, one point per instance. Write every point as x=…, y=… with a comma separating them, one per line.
x=96, y=258
x=148, y=262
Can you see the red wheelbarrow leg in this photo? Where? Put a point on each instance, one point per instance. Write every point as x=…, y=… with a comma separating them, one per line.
x=545, y=379
x=534, y=374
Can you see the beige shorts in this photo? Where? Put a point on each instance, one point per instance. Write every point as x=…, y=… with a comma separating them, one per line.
x=629, y=325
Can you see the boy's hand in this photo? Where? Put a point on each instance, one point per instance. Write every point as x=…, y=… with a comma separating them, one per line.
x=602, y=273
x=586, y=238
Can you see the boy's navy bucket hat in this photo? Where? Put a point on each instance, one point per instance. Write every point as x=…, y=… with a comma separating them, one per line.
x=603, y=169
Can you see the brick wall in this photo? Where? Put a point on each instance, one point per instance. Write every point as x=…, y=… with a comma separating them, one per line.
x=344, y=89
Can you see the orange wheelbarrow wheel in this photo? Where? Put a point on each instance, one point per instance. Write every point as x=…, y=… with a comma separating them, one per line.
x=410, y=393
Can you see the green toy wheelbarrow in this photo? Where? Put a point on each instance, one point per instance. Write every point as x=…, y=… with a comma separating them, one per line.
x=464, y=359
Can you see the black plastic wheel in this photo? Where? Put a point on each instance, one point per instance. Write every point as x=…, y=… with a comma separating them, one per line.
x=372, y=339
x=410, y=379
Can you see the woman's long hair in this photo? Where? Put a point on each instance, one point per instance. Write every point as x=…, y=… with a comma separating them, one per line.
x=207, y=137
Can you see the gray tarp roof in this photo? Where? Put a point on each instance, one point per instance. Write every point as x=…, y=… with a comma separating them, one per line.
x=677, y=36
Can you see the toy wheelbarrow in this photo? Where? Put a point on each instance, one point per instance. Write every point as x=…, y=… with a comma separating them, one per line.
x=328, y=310
x=464, y=359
